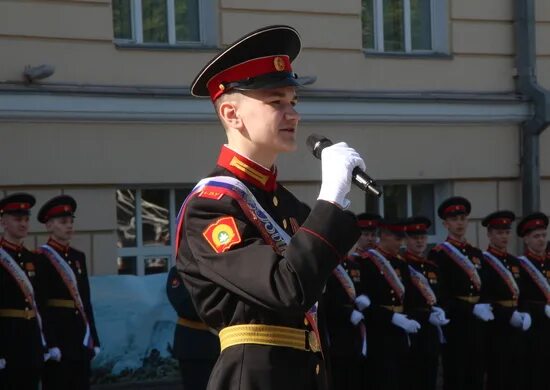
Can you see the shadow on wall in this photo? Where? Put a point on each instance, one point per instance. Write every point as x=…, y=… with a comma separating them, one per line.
x=136, y=326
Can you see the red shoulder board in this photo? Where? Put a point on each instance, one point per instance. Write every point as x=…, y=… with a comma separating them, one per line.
x=222, y=234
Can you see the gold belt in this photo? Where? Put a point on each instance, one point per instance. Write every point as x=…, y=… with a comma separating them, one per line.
x=395, y=309
x=192, y=324
x=472, y=299
x=509, y=303
x=17, y=313
x=279, y=336
x=65, y=303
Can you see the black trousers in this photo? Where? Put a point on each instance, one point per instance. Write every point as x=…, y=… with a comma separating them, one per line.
x=66, y=374
x=195, y=373
x=19, y=379
x=347, y=373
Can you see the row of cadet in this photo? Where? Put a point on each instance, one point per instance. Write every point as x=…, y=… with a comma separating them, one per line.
x=47, y=327
x=392, y=314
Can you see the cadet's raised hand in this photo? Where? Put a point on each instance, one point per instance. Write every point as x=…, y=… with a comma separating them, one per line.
x=338, y=162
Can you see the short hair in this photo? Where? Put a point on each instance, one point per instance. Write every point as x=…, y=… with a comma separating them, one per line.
x=222, y=99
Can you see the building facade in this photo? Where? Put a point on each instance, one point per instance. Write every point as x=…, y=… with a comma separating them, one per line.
x=424, y=89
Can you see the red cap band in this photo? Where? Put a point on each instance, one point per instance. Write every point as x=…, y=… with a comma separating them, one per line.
x=500, y=221
x=454, y=208
x=16, y=206
x=416, y=227
x=534, y=224
x=64, y=208
x=366, y=224
x=248, y=69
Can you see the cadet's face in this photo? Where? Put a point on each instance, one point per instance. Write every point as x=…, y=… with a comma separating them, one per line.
x=15, y=226
x=536, y=240
x=367, y=240
x=456, y=225
x=61, y=228
x=417, y=244
x=270, y=119
x=499, y=238
x=391, y=242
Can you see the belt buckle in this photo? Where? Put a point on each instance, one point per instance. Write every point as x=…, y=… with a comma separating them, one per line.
x=313, y=341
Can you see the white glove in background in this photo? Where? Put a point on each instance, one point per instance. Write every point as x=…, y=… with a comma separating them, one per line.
x=437, y=317
x=484, y=311
x=337, y=162
x=2, y=364
x=516, y=320
x=55, y=354
x=362, y=302
x=526, y=321
x=401, y=320
x=356, y=317
x=547, y=310
x=97, y=350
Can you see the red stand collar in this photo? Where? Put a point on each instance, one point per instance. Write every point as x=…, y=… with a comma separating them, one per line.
x=9, y=245
x=458, y=244
x=497, y=252
x=248, y=170
x=534, y=256
x=58, y=246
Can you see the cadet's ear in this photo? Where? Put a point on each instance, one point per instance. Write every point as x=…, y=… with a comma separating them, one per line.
x=228, y=113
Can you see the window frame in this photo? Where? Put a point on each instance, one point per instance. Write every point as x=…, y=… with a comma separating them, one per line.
x=142, y=252
x=441, y=191
x=207, y=30
x=438, y=25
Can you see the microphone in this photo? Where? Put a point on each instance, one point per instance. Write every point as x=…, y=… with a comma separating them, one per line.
x=316, y=143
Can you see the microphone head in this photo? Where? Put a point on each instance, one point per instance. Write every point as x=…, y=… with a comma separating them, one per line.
x=316, y=143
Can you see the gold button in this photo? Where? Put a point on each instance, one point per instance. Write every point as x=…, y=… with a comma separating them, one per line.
x=69, y=262
x=26, y=309
x=317, y=369
x=285, y=224
x=393, y=292
x=76, y=312
x=306, y=322
x=275, y=201
x=393, y=299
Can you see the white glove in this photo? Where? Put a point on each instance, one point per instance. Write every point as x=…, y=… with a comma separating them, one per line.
x=2, y=364
x=437, y=317
x=516, y=320
x=484, y=311
x=97, y=350
x=337, y=162
x=547, y=310
x=55, y=354
x=356, y=317
x=362, y=302
x=401, y=320
x=46, y=356
x=526, y=321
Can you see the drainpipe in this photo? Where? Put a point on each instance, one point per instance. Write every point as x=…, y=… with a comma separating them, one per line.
x=527, y=85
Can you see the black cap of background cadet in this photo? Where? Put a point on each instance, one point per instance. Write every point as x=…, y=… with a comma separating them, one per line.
x=60, y=206
x=499, y=220
x=532, y=222
x=417, y=226
x=17, y=204
x=456, y=205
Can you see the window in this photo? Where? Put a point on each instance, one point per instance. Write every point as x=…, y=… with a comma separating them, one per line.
x=146, y=221
x=164, y=22
x=405, y=26
x=407, y=200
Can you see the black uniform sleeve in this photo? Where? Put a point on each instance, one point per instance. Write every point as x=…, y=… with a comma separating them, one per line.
x=375, y=313
x=337, y=303
x=41, y=296
x=251, y=268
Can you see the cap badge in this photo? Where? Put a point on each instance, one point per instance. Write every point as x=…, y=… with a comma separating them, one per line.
x=279, y=64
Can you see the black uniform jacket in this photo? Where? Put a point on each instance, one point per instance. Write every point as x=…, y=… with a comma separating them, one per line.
x=20, y=340
x=189, y=343
x=244, y=281
x=65, y=326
